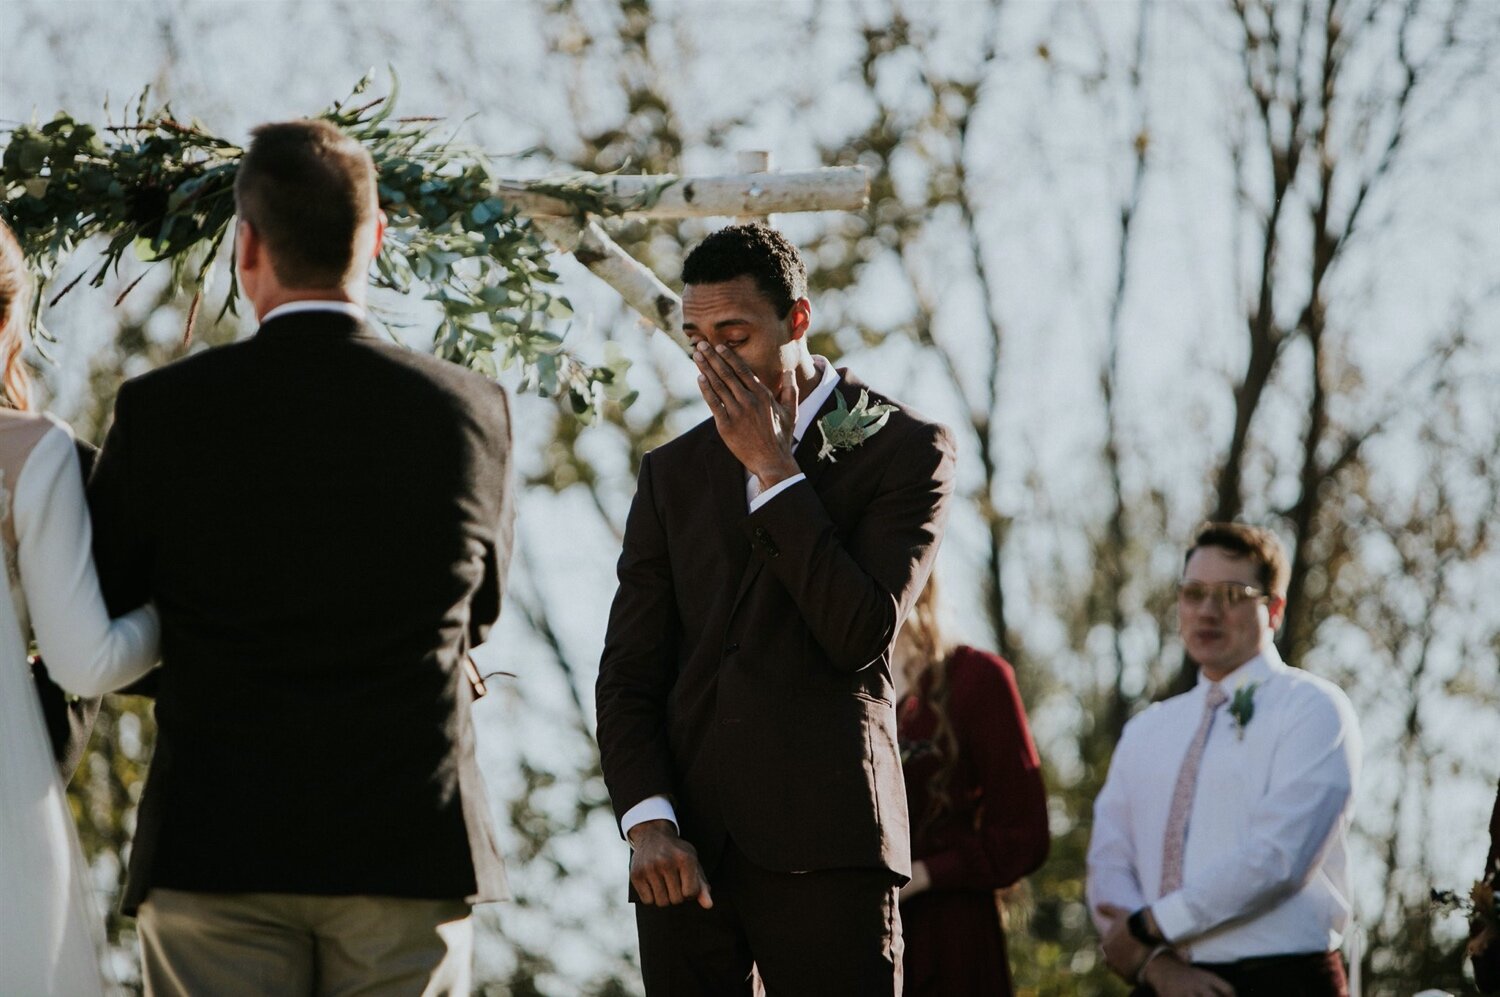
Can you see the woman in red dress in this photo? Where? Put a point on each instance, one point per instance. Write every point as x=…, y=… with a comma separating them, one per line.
x=978, y=808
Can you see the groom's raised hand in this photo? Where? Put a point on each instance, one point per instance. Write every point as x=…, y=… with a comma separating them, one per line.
x=664, y=868
x=755, y=423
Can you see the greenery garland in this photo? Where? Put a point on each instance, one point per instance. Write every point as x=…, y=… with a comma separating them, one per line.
x=165, y=189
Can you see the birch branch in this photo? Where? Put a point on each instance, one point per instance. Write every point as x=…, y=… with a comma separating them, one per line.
x=640, y=288
x=834, y=188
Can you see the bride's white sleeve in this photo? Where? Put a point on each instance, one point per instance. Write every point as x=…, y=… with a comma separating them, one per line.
x=86, y=652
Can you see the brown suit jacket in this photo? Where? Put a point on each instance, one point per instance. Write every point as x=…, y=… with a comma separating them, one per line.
x=746, y=667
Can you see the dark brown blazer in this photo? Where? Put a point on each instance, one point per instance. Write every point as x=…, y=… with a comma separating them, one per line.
x=323, y=520
x=746, y=667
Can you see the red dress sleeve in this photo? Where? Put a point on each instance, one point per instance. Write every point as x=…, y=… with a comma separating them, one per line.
x=1009, y=838
x=1487, y=963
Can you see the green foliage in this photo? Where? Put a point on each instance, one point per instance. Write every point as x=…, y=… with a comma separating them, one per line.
x=167, y=193
x=165, y=189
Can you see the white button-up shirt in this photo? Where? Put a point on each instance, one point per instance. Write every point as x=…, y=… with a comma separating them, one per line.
x=1265, y=870
x=807, y=411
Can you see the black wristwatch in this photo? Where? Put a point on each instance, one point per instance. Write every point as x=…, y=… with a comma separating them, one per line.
x=1136, y=925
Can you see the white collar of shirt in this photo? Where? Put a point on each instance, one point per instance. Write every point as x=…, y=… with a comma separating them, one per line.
x=348, y=308
x=808, y=408
x=1259, y=668
x=807, y=411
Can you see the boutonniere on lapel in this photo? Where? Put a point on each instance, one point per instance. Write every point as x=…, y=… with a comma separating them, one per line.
x=1242, y=707
x=846, y=428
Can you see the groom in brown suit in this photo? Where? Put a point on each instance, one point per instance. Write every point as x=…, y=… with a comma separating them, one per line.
x=746, y=722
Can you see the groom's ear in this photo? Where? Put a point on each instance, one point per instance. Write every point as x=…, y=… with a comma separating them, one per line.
x=799, y=319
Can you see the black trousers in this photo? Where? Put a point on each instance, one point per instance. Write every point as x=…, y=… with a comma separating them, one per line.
x=819, y=934
x=1311, y=974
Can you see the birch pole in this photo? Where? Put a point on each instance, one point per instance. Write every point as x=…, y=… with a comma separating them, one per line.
x=754, y=162
x=757, y=193
x=753, y=193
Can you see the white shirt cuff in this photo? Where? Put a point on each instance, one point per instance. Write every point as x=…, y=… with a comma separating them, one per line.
x=651, y=808
x=774, y=491
x=1173, y=919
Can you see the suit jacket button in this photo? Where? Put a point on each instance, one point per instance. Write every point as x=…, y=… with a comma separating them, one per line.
x=731, y=648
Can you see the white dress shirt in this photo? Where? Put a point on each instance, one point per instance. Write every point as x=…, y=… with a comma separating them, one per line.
x=807, y=411
x=1265, y=870
x=659, y=807
x=348, y=308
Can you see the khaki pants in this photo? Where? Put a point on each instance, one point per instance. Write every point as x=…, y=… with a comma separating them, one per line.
x=287, y=945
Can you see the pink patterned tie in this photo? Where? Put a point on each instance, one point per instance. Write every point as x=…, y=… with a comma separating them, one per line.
x=1175, y=844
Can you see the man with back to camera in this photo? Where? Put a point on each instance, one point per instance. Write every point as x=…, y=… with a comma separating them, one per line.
x=1218, y=860
x=746, y=726
x=323, y=519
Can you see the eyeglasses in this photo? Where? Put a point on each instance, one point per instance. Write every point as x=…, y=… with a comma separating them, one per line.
x=1225, y=595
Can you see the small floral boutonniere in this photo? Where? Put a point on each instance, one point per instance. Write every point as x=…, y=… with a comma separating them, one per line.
x=846, y=428
x=1242, y=707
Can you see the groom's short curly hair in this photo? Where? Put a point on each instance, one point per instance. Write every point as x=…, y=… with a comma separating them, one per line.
x=308, y=190
x=750, y=250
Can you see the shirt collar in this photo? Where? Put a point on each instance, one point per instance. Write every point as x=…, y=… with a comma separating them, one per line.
x=1259, y=668
x=809, y=407
x=348, y=308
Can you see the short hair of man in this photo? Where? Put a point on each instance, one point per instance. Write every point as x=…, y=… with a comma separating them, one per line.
x=307, y=190
x=1240, y=540
x=750, y=250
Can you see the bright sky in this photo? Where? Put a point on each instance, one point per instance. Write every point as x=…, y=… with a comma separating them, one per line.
x=1050, y=183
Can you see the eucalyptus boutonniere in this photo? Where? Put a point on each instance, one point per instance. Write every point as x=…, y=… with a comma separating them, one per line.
x=1242, y=707
x=846, y=428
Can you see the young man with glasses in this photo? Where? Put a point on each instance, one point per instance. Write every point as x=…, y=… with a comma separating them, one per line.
x=1217, y=864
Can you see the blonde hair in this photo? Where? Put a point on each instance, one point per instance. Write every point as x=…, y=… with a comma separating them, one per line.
x=923, y=627
x=15, y=302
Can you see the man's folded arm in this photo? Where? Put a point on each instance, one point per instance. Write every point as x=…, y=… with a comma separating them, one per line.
x=852, y=595
x=485, y=604
x=119, y=527
x=637, y=667
x=1290, y=829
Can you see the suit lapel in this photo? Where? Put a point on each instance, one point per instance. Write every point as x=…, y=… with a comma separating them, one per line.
x=727, y=480
x=813, y=468
x=812, y=440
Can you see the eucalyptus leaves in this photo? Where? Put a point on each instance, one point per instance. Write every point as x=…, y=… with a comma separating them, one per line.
x=163, y=189
x=846, y=428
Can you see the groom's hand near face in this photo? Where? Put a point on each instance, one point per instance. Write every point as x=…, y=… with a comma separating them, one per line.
x=664, y=868
x=754, y=423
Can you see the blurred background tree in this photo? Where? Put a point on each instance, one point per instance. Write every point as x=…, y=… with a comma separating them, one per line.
x=1155, y=261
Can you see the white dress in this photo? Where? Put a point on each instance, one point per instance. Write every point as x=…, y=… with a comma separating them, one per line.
x=51, y=928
